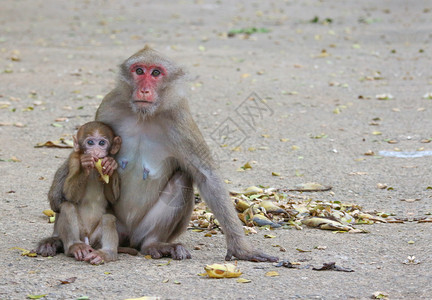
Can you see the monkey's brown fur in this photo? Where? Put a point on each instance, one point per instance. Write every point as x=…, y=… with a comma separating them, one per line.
x=163, y=155
x=82, y=212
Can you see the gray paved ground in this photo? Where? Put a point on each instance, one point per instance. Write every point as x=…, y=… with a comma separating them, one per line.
x=58, y=58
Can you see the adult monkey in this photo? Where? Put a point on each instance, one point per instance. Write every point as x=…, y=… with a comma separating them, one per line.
x=163, y=154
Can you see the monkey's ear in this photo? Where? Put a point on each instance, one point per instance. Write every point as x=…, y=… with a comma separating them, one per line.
x=76, y=144
x=178, y=73
x=116, y=145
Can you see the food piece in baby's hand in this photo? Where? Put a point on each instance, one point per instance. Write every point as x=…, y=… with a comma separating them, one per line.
x=98, y=166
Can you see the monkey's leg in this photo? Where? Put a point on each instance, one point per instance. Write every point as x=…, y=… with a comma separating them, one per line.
x=52, y=245
x=167, y=219
x=69, y=232
x=107, y=233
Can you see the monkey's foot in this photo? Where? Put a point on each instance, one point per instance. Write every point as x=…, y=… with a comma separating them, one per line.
x=157, y=250
x=80, y=250
x=255, y=256
x=99, y=257
x=50, y=246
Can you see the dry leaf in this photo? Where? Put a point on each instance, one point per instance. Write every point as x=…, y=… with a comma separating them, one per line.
x=49, y=213
x=62, y=143
x=332, y=267
x=310, y=187
x=36, y=296
x=25, y=252
x=164, y=264
x=301, y=250
x=411, y=260
x=380, y=295
x=272, y=274
x=326, y=224
x=69, y=280
x=384, y=96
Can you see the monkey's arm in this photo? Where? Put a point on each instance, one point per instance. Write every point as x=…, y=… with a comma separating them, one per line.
x=197, y=160
x=55, y=194
x=112, y=189
x=75, y=184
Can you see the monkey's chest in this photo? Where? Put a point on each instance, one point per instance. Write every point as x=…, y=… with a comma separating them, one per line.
x=93, y=205
x=144, y=169
x=143, y=156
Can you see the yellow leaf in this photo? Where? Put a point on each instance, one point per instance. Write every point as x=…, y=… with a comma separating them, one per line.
x=252, y=190
x=243, y=280
x=25, y=252
x=36, y=296
x=164, y=264
x=246, y=166
x=272, y=274
x=376, y=132
x=49, y=213
x=323, y=54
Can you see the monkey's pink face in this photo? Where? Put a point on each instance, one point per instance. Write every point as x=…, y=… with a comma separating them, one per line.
x=96, y=145
x=147, y=79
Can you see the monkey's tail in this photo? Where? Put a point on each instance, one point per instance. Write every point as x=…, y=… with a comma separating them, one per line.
x=127, y=250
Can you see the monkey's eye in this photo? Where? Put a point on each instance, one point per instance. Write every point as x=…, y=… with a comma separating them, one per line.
x=101, y=143
x=90, y=142
x=139, y=71
x=155, y=73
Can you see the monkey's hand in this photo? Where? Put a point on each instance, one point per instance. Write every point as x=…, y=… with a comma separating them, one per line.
x=251, y=255
x=88, y=162
x=50, y=246
x=80, y=250
x=109, y=165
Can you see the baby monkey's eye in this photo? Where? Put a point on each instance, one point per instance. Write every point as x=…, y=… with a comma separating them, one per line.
x=139, y=71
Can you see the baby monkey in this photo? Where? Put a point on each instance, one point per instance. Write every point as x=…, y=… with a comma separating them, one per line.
x=83, y=223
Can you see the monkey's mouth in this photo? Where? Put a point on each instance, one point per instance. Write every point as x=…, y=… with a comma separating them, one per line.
x=142, y=102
